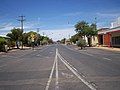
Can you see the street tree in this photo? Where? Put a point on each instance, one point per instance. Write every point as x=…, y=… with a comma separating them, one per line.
x=16, y=36
x=2, y=43
x=50, y=41
x=74, y=38
x=85, y=29
x=63, y=40
x=81, y=27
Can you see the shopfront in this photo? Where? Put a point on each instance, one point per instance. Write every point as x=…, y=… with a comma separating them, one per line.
x=109, y=37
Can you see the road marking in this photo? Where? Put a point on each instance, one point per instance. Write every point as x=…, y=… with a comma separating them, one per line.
x=88, y=54
x=106, y=58
x=51, y=74
x=38, y=55
x=50, y=52
x=56, y=87
x=67, y=75
x=50, y=77
x=69, y=48
x=92, y=87
x=47, y=57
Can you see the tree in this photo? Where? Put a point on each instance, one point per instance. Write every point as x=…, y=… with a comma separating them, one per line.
x=81, y=27
x=45, y=40
x=50, y=41
x=85, y=29
x=81, y=43
x=16, y=35
x=90, y=31
x=25, y=39
x=63, y=40
x=2, y=43
x=74, y=38
x=31, y=38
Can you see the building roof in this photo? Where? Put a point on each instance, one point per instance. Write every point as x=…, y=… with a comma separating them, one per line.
x=110, y=30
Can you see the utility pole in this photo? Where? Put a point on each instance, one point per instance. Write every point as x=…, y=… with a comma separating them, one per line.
x=95, y=22
x=38, y=30
x=43, y=33
x=69, y=36
x=21, y=21
x=38, y=42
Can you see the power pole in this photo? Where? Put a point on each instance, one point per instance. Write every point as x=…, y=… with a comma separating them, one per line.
x=38, y=30
x=38, y=43
x=95, y=20
x=21, y=21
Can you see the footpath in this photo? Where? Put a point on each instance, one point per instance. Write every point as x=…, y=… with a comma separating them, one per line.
x=102, y=48
x=24, y=48
x=14, y=50
x=108, y=48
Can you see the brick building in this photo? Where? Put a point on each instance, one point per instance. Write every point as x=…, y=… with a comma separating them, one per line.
x=109, y=37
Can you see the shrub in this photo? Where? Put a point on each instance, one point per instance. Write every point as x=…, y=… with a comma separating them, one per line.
x=81, y=43
x=2, y=43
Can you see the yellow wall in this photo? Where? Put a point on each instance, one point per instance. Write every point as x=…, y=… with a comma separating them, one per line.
x=94, y=40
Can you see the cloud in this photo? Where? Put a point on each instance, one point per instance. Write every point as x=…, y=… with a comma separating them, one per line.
x=5, y=25
x=58, y=34
x=5, y=30
x=105, y=18
x=108, y=14
x=103, y=25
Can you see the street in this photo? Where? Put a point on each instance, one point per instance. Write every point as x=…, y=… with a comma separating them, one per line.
x=60, y=67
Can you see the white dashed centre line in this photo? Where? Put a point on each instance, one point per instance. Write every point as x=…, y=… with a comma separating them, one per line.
x=106, y=58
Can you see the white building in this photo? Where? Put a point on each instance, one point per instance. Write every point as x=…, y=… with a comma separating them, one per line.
x=116, y=23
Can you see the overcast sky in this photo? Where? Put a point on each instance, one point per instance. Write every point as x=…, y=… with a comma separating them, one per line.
x=56, y=18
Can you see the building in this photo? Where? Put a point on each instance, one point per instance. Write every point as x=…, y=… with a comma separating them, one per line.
x=115, y=23
x=67, y=42
x=109, y=37
x=94, y=40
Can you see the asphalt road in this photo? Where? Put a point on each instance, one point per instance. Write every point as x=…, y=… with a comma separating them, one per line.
x=60, y=67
